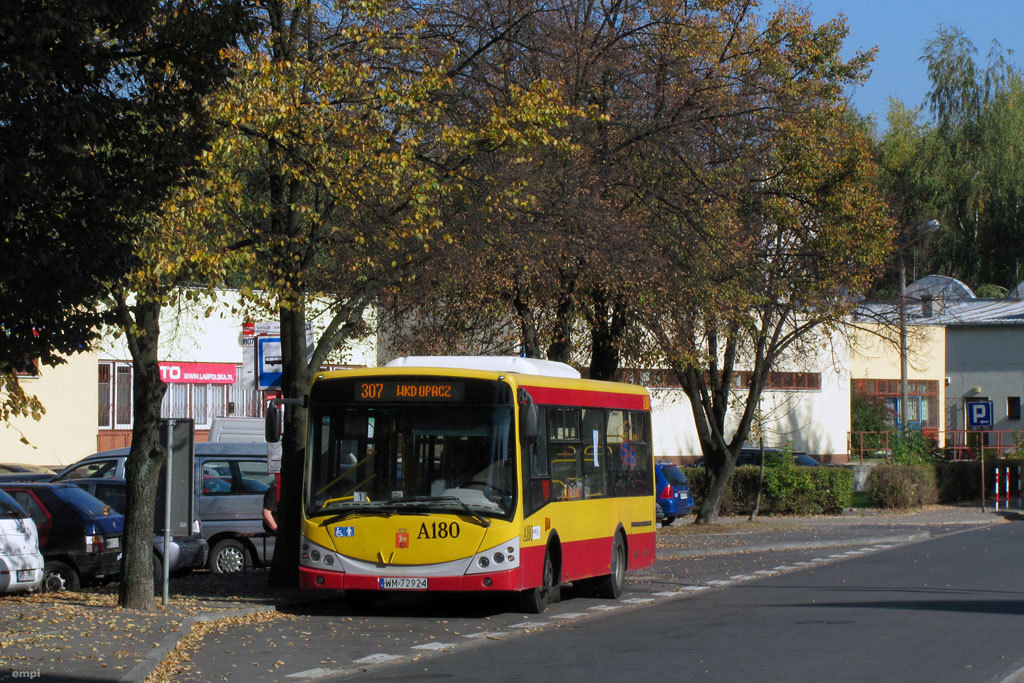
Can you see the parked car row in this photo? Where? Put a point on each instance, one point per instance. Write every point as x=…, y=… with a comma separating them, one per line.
x=230, y=480
x=79, y=537
x=66, y=532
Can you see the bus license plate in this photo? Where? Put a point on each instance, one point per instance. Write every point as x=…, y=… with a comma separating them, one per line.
x=26, y=575
x=403, y=583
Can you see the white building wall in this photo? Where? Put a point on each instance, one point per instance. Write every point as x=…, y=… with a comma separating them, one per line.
x=814, y=421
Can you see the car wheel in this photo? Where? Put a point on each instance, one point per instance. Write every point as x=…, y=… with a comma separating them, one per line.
x=228, y=557
x=58, y=576
x=610, y=586
x=667, y=520
x=535, y=600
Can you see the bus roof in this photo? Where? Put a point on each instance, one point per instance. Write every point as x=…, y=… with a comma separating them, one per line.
x=511, y=364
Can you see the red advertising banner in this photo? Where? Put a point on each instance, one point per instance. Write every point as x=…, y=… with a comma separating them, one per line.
x=198, y=373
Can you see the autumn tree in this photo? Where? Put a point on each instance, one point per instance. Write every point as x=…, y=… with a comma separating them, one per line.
x=762, y=271
x=334, y=152
x=710, y=207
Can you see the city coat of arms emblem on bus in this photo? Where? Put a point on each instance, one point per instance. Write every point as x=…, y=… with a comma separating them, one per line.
x=402, y=539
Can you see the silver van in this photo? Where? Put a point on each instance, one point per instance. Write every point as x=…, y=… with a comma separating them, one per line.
x=230, y=481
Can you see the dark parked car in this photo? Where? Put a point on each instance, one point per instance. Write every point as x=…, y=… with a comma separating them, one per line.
x=752, y=456
x=79, y=536
x=230, y=480
x=20, y=472
x=186, y=552
x=673, y=492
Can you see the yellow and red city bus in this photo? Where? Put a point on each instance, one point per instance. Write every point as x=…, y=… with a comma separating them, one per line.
x=475, y=474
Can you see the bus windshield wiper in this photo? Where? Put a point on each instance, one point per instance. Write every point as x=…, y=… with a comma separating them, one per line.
x=482, y=521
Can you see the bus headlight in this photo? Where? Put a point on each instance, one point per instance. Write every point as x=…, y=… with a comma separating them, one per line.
x=505, y=554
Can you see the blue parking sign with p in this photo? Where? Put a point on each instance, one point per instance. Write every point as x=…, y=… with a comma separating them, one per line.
x=979, y=413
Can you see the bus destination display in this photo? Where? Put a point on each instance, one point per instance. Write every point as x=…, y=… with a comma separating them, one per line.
x=406, y=390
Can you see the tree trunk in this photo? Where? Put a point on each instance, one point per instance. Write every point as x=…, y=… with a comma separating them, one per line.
x=142, y=468
x=295, y=378
x=606, y=333
x=714, y=493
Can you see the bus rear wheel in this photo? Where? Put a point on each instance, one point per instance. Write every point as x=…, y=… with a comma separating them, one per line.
x=610, y=586
x=535, y=600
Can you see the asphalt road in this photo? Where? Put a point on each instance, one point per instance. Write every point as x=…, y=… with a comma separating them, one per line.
x=945, y=609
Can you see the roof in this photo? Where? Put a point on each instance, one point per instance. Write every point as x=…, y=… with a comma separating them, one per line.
x=510, y=364
x=946, y=302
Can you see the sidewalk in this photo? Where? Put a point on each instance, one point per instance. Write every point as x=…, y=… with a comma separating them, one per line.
x=85, y=636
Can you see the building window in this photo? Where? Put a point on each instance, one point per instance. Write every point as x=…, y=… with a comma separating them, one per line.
x=199, y=401
x=1013, y=407
x=122, y=396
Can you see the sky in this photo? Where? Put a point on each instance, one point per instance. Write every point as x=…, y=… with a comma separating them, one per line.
x=900, y=29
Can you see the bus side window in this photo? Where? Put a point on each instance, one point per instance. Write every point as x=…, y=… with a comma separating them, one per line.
x=536, y=473
x=595, y=460
x=620, y=452
x=564, y=449
x=642, y=480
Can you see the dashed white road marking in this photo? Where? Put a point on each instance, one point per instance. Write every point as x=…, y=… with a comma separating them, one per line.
x=741, y=577
x=766, y=572
x=605, y=608
x=487, y=634
x=529, y=624
x=639, y=601
x=433, y=646
x=308, y=674
x=720, y=582
x=568, y=615
x=378, y=658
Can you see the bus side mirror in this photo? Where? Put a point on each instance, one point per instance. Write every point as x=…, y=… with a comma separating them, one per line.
x=528, y=417
x=273, y=424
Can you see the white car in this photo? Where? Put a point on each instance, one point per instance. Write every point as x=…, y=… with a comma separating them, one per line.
x=21, y=563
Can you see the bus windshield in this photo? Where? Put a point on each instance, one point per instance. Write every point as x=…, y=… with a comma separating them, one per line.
x=414, y=448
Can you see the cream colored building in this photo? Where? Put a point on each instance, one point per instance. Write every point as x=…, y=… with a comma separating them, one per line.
x=875, y=371
x=67, y=432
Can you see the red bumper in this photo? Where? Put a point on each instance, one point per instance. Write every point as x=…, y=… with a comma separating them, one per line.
x=498, y=581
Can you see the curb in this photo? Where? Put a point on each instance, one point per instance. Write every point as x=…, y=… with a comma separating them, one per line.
x=158, y=654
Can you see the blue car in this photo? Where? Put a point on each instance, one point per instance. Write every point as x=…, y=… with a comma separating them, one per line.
x=673, y=492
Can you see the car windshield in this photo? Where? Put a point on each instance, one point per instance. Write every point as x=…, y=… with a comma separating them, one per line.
x=87, y=505
x=673, y=475
x=9, y=508
x=396, y=456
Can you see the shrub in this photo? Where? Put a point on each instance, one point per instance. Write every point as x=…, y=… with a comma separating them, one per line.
x=793, y=489
x=957, y=481
x=902, y=486
x=911, y=448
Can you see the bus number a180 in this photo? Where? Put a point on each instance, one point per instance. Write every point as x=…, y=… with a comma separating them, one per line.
x=439, y=530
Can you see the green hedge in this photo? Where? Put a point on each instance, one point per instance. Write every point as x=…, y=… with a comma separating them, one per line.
x=788, y=489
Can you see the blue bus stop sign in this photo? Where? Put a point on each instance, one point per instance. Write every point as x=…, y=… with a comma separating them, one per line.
x=979, y=413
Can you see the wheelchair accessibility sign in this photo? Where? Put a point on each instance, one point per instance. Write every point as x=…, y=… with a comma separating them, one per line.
x=979, y=413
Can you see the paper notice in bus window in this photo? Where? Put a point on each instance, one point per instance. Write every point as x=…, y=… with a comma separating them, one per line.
x=595, y=448
x=536, y=533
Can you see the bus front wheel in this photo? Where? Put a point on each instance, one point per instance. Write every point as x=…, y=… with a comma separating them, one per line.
x=535, y=600
x=610, y=586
